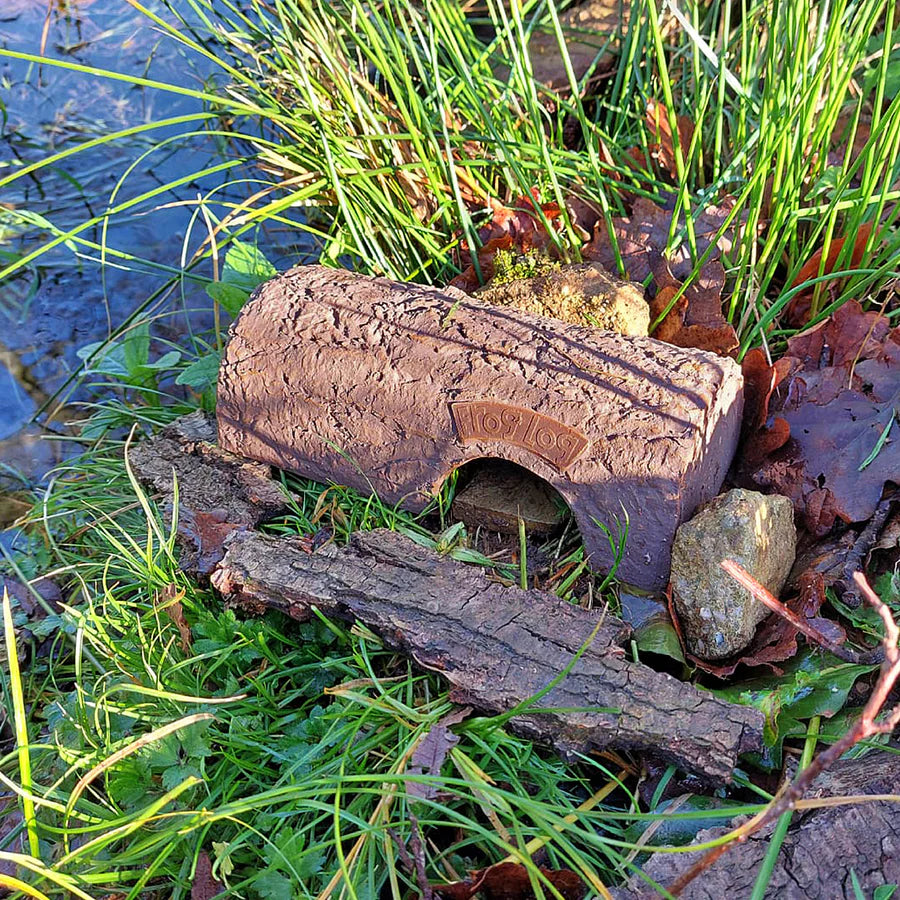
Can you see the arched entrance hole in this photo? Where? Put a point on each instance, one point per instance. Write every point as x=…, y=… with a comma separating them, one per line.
x=491, y=496
x=494, y=494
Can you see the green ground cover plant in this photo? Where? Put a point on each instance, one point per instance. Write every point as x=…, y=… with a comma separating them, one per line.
x=153, y=735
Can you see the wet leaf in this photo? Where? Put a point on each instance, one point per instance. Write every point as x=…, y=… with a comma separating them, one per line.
x=511, y=881
x=842, y=392
x=813, y=684
x=659, y=636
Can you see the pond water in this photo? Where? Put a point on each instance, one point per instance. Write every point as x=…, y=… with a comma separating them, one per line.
x=66, y=299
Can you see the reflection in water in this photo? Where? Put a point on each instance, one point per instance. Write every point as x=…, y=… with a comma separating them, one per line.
x=66, y=299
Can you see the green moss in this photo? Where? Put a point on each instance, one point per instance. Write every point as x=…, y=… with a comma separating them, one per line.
x=511, y=266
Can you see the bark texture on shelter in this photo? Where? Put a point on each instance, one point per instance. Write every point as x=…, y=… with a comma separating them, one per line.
x=389, y=386
x=497, y=646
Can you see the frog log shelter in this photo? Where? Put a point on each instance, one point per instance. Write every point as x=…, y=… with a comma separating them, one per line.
x=390, y=387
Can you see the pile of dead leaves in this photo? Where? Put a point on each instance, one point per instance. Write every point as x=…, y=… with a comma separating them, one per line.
x=821, y=421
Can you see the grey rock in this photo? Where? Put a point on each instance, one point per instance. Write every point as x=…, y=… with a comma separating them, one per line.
x=718, y=616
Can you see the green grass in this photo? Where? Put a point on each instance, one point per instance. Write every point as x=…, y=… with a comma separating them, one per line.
x=383, y=132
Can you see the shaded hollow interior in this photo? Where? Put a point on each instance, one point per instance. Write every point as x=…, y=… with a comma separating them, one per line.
x=490, y=496
x=494, y=495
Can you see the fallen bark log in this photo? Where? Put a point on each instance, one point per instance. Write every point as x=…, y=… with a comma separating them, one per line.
x=217, y=491
x=497, y=646
x=818, y=853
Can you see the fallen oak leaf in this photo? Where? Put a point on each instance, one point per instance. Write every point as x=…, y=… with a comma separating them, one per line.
x=849, y=335
x=760, y=434
x=468, y=279
x=673, y=310
x=797, y=312
x=511, y=881
x=203, y=534
x=838, y=415
x=813, y=267
x=643, y=236
x=695, y=319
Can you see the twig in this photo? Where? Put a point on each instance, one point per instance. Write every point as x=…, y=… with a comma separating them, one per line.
x=745, y=579
x=415, y=864
x=863, y=729
x=862, y=546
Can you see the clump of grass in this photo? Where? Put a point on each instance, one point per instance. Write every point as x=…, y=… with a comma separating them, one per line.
x=278, y=749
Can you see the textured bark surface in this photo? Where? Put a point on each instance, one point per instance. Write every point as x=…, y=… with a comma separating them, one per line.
x=388, y=386
x=497, y=646
x=819, y=852
x=217, y=491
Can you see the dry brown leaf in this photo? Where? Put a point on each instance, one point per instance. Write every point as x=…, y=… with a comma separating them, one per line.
x=591, y=30
x=797, y=312
x=842, y=392
x=429, y=755
x=696, y=319
x=510, y=881
x=205, y=886
x=775, y=640
x=517, y=227
x=170, y=599
x=643, y=235
x=662, y=148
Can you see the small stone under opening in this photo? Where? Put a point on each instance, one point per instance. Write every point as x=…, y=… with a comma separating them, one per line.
x=494, y=494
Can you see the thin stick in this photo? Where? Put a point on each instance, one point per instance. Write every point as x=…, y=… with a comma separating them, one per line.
x=745, y=579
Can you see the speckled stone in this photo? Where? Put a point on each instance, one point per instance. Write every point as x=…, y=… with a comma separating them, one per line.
x=718, y=616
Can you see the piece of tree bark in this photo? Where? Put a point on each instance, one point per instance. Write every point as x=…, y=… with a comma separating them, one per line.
x=218, y=492
x=497, y=646
x=819, y=852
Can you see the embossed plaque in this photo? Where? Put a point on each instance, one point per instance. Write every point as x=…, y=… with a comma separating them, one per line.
x=488, y=420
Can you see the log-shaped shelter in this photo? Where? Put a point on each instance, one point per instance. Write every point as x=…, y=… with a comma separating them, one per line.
x=390, y=387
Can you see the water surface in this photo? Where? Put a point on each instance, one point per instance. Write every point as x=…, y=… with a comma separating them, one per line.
x=67, y=300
